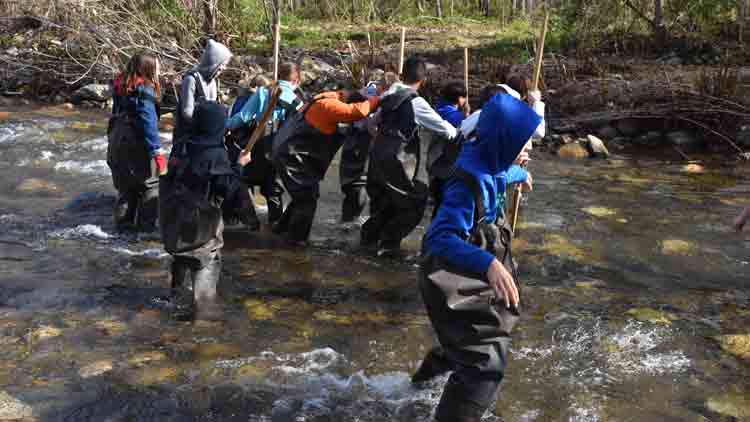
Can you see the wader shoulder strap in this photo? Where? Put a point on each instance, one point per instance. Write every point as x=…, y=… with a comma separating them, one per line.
x=476, y=189
x=199, y=84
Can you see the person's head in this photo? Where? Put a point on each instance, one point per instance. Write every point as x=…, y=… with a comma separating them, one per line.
x=454, y=92
x=520, y=83
x=215, y=59
x=415, y=72
x=289, y=71
x=389, y=78
x=143, y=69
x=352, y=96
x=488, y=92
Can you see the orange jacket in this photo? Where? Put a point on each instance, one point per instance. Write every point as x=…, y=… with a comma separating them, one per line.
x=328, y=111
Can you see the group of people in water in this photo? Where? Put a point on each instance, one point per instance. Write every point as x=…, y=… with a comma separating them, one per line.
x=467, y=274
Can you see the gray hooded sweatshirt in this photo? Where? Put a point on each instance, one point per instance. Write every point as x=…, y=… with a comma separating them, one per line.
x=204, y=74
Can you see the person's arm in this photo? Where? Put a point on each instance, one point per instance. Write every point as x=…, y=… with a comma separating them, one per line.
x=428, y=118
x=454, y=116
x=538, y=105
x=187, y=99
x=516, y=174
x=147, y=118
x=248, y=111
x=455, y=218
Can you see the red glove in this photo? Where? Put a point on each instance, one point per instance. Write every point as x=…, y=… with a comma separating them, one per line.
x=161, y=164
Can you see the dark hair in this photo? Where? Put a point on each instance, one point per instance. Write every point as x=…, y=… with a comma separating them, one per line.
x=452, y=91
x=488, y=92
x=141, y=69
x=287, y=70
x=352, y=96
x=521, y=83
x=415, y=70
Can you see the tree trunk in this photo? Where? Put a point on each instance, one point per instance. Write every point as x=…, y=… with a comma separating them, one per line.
x=744, y=6
x=209, y=18
x=439, y=9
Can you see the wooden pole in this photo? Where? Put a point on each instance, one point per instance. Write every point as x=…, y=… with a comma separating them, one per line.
x=403, y=50
x=466, y=72
x=276, y=43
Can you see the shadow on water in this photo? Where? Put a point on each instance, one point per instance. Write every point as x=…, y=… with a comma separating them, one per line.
x=635, y=293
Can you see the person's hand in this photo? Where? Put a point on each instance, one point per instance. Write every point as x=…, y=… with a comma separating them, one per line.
x=523, y=158
x=534, y=96
x=161, y=164
x=503, y=284
x=741, y=220
x=244, y=157
x=528, y=185
x=466, y=109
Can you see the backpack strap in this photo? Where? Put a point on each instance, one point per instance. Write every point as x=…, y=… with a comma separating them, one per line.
x=476, y=189
x=200, y=84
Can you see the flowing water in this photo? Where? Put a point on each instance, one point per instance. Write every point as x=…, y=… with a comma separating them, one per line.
x=635, y=292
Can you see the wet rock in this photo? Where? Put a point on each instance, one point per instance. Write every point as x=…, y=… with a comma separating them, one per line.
x=629, y=127
x=737, y=345
x=212, y=351
x=693, y=168
x=95, y=369
x=687, y=141
x=315, y=67
x=596, y=147
x=147, y=357
x=730, y=404
x=608, y=132
x=599, y=211
x=44, y=332
x=93, y=92
x=649, y=138
x=12, y=409
x=677, y=247
x=154, y=376
x=111, y=327
x=651, y=315
x=37, y=187
x=573, y=150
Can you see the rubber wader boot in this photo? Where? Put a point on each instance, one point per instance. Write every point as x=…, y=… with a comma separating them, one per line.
x=433, y=365
x=353, y=205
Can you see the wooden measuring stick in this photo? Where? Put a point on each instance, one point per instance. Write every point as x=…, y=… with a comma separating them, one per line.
x=466, y=72
x=276, y=44
x=403, y=50
x=260, y=129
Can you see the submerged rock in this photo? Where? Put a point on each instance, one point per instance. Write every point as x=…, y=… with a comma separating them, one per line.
x=677, y=247
x=596, y=147
x=685, y=140
x=573, y=150
x=629, y=127
x=737, y=345
x=12, y=409
x=608, y=132
x=599, y=211
x=95, y=369
x=44, y=332
x=37, y=186
x=651, y=315
x=649, y=138
x=730, y=404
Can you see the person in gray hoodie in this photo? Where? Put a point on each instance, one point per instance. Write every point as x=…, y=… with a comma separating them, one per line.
x=198, y=85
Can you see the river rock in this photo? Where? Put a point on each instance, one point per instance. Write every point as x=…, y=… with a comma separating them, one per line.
x=315, y=67
x=730, y=404
x=596, y=147
x=608, y=132
x=573, y=150
x=737, y=345
x=95, y=369
x=629, y=127
x=37, y=186
x=685, y=140
x=677, y=247
x=651, y=315
x=93, y=92
x=12, y=409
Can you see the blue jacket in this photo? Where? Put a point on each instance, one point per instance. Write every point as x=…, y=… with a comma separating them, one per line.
x=254, y=108
x=504, y=127
x=142, y=103
x=450, y=113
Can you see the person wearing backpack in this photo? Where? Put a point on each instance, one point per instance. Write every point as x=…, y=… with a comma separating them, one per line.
x=200, y=179
x=303, y=151
x=397, y=198
x=467, y=277
x=198, y=85
x=134, y=153
x=260, y=172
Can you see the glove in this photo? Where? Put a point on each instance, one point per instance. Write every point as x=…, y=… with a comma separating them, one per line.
x=161, y=164
x=534, y=96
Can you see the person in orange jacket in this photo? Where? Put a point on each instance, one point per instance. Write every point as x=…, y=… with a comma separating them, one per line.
x=303, y=150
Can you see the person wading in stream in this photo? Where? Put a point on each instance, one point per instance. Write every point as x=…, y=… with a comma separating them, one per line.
x=467, y=277
x=134, y=153
x=199, y=180
x=397, y=198
x=261, y=171
x=198, y=85
x=303, y=150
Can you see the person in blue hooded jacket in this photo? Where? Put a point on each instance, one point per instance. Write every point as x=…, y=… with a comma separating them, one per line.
x=467, y=275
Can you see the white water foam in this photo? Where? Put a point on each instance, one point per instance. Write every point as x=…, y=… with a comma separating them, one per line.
x=96, y=144
x=146, y=253
x=82, y=231
x=47, y=155
x=96, y=167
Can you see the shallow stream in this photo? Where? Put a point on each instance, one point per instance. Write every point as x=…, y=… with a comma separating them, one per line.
x=635, y=289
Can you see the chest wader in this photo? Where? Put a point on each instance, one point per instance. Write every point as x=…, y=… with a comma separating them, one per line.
x=192, y=232
x=472, y=325
x=134, y=173
x=181, y=129
x=301, y=156
x=442, y=154
x=397, y=198
x=353, y=172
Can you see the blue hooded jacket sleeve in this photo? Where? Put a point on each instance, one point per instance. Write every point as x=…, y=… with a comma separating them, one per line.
x=147, y=118
x=249, y=110
x=516, y=174
x=451, y=114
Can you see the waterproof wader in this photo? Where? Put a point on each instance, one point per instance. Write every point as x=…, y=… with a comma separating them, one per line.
x=442, y=154
x=302, y=155
x=134, y=175
x=397, y=198
x=353, y=172
x=472, y=325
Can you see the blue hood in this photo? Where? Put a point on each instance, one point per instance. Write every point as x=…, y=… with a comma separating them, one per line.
x=450, y=113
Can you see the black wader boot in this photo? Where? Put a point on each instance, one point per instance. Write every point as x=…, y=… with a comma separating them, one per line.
x=353, y=174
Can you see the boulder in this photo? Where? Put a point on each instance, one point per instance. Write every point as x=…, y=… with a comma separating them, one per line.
x=629, y=127
x=685, y=140
x=596, y=147
x=607, y=132
x=93, y=92
x=573, y=150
